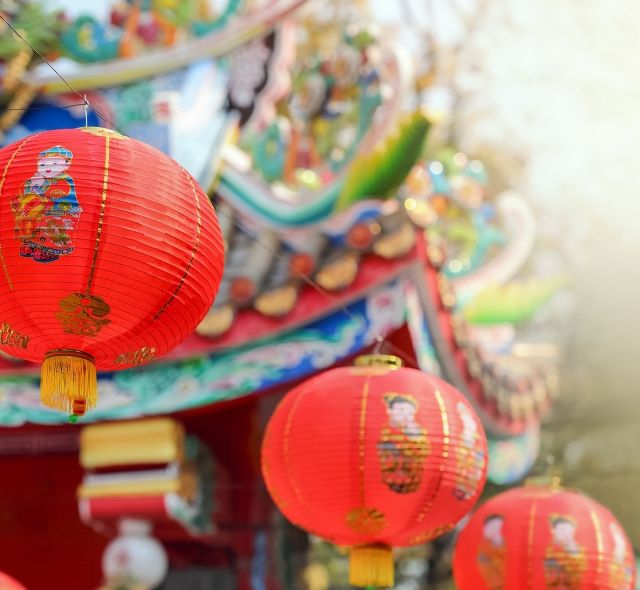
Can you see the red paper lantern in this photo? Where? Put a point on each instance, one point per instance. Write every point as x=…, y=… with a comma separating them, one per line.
x=540, y=536
x=8, y=583
x=374, y=456
x=110, y=255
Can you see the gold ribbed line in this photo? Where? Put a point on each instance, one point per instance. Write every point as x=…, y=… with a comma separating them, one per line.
x=4, y=176
x=445, y=453
x=532, y=517
x=193, y=252
x=598, y=530
x=287, y=457
x=361, y=439
x=103, y=205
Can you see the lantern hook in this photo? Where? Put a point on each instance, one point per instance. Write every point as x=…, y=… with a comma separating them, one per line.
x=86, y=111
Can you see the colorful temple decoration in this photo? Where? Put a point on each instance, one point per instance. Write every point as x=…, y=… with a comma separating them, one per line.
x=346, y=227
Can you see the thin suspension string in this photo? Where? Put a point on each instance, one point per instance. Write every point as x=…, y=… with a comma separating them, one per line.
x=85, y=102
x=39, y=108
x=39, y=55
x=379, y=338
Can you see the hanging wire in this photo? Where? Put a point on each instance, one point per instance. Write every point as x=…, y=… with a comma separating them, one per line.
x=57, y=73
x=40, y=108
x=86, y=111
x=379, y=338
x=39, y=55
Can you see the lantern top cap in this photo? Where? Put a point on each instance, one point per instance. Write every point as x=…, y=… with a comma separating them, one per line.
x=545, y=481
x=103, y=132
x=379, y=360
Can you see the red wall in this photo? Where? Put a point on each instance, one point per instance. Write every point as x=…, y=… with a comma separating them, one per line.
x=43, y=544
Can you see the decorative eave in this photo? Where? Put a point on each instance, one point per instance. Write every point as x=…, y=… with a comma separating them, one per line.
x=508, y=400
x=510, y=394
x=239, y=31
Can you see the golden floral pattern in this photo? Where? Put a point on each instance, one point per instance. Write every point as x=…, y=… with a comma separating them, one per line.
x=137, y=357
x=9, y=337
x=83, y=315
x=366, y=521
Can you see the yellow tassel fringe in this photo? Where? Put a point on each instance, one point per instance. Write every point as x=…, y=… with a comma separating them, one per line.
x=68, y=382
x=371, y=566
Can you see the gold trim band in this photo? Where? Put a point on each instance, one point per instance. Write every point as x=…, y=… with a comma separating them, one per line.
x=378, y=360
x=193, y=252
x=69, y=352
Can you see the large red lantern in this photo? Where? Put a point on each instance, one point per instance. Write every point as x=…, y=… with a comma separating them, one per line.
x=8, y=583
x=373, y=457
x=110, y=255
x=539, y=537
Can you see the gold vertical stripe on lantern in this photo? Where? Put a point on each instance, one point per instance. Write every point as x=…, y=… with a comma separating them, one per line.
x=2, y=180
x=599, y=543
x=195, y=246
x=361, y=441
x=103, y=206
x=532, y=522
x=369, y=565
x=445, y=455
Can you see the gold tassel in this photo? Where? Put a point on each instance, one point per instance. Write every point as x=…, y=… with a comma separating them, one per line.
x=371, y=566
x=68, y=382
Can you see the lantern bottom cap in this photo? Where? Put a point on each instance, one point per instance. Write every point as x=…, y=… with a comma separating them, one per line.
x=68, y=381
x=371, y=566
x=378, y=360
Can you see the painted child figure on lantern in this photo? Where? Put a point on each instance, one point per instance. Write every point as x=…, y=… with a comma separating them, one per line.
x=47, y=210
x=565, y=560
x=471, y=459
x=403, y=446
x=492, y=553
x=620, y=568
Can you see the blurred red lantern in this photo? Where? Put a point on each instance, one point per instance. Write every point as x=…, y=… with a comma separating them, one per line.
x=110, y=255
x=374, y=456
x=541, y=536
x=8, y=583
